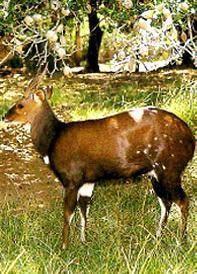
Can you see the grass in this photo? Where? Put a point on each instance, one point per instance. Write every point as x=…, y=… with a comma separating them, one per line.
x=92, y=100
x=123, y=218
x=120, y=238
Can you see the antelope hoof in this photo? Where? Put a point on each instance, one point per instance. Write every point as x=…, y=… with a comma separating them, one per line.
x=64, y=246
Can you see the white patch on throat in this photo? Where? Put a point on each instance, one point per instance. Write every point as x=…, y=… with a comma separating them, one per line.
x=85, y=190
x=46, y=160
x=137, y=114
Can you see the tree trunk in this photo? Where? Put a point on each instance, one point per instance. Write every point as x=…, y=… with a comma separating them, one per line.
x=191, y=33
x=78, y=52
x=187, y=61
x=94, y=39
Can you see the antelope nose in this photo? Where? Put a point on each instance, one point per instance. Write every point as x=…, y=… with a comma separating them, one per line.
x=4, y=118
x=7, y=116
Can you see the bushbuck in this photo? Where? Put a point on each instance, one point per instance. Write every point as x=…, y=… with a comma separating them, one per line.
x=140, y=141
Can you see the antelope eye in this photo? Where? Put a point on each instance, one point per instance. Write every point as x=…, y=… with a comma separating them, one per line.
x=20, y=106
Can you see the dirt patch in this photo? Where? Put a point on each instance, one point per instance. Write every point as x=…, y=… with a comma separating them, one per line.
x=24, y=179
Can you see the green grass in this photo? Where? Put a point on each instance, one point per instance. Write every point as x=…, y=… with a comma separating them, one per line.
x=92, y=100
x=120, y=238
x=123, y=218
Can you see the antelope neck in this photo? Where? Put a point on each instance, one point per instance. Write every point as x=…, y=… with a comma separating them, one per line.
x=44, y=129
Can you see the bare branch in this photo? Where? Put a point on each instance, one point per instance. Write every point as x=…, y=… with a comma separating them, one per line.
x=34, y=83
x=6, y=58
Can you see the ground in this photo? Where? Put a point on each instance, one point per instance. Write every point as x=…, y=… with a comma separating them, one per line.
x=24, y=177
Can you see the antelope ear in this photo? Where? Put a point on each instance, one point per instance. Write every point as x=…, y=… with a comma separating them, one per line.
x=48, y=92
x=43, y=94
x=39, y=95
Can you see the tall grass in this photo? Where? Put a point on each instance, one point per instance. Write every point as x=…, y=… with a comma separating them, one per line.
x=123, y=218
x=121, y=238
x=89, y=102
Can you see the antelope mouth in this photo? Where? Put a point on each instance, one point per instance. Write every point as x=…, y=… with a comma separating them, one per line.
x=7, y=119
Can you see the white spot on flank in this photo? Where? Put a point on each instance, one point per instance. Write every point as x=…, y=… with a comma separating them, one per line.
x=46, y=160
x=137, y=114
x=163, y=167
x=138, y=152
x=181, y=141
x=149, y=145
x=145, y=151
x=85, y=190
x=165, y=135
x=172, y=155
x=156, y=138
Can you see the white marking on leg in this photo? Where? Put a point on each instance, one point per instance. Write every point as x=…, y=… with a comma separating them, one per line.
x=46, y=160
x=152, y=173
x=85, y=190
x=137, y=114
x=83, y=225
x=87, y=211
x=163, y=216
x=71, y=217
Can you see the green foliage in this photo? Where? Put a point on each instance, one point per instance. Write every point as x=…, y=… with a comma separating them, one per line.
x=123, y=16
x=86, y=102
